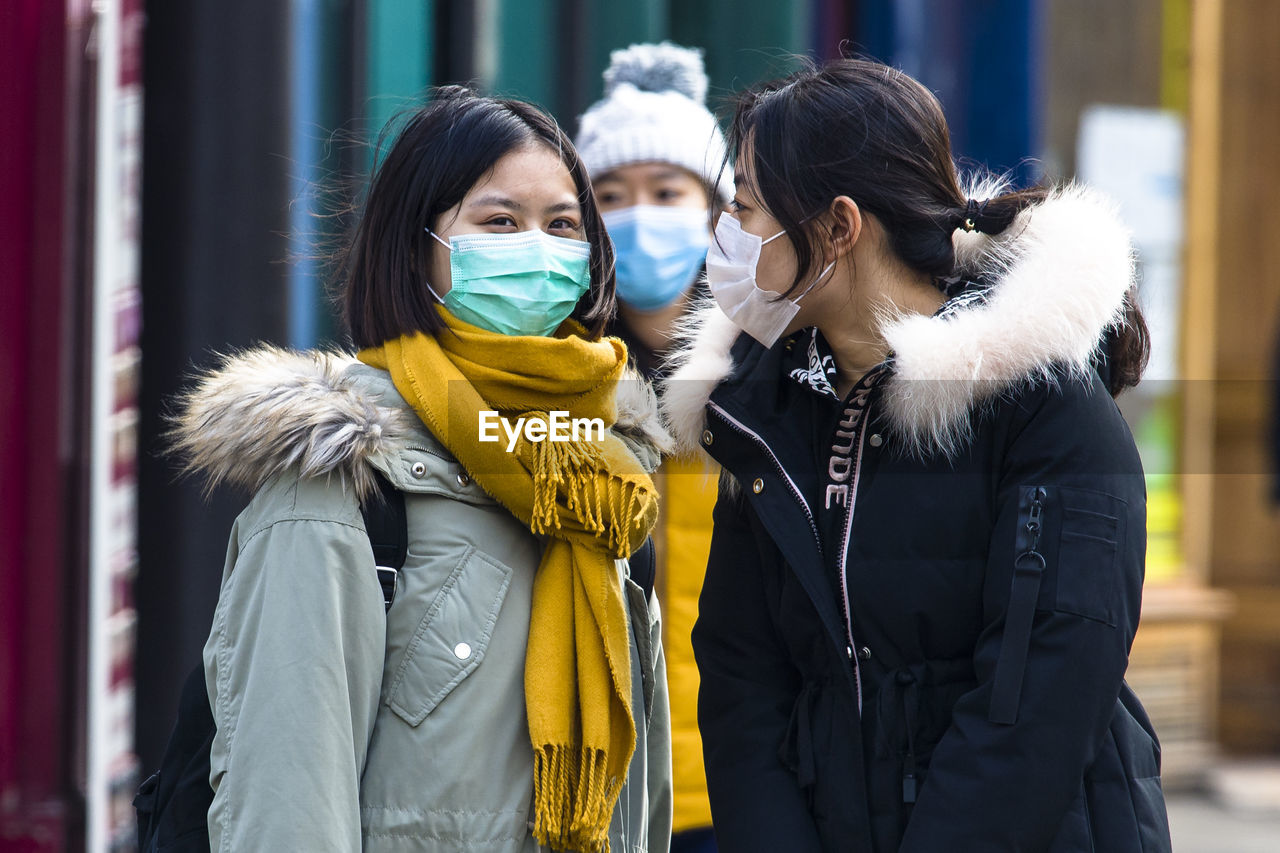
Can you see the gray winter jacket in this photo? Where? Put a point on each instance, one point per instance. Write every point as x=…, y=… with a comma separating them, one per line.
x=343, y=727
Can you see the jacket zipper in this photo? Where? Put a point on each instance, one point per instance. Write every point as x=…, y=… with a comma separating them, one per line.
x=729, y=419
x=844, y=555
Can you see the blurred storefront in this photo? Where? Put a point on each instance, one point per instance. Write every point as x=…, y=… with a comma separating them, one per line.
x=1168, y=106
x=1117, y=118
x=71, y=169
x=1232, y=304
x=146, y=240
x=1116, y=94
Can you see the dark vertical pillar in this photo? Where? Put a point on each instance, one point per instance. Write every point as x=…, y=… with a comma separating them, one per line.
x=214, y=246
x=832, y=28
x=455, y=59
x=981, y=57
x=1002, y=59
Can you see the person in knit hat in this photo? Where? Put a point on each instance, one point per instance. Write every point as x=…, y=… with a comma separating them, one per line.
x=655, y=155
x=654, y=110
x=656, y=158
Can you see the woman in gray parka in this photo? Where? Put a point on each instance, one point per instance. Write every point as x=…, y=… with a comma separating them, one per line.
x=513, y=696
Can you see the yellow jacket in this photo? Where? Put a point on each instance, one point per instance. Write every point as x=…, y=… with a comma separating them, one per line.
x=682, y=541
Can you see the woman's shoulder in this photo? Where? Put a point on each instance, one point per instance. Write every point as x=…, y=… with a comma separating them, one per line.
x=271, y=414
x=1063, y=394
x=289, y=498
x=1068, y=412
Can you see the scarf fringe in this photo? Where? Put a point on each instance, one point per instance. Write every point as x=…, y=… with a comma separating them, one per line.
x=573, y=468
x=573, y=799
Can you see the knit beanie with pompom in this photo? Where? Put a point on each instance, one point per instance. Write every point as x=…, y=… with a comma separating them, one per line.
x=654, y=110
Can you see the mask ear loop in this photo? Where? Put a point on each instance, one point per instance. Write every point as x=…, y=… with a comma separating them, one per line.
x=431, y=289
x=811, y=286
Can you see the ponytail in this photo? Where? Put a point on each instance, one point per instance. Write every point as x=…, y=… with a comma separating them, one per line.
x=1126, y=346
x=993, y=215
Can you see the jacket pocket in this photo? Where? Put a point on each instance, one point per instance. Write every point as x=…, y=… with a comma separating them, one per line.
x=1136, y=743
x=1088, y=582
x=1126, y=804
x=1075, y=835
x=451, y=638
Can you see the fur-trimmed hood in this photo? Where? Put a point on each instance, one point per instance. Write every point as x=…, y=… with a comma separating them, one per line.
x=262, y=411
x=1058, y=277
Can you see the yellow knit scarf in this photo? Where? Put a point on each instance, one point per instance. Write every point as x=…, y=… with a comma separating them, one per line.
x=594, y=502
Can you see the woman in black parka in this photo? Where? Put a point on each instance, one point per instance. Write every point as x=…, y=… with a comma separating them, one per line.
x=927, y=563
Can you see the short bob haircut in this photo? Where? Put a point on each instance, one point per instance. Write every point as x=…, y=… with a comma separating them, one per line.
x=443, y=150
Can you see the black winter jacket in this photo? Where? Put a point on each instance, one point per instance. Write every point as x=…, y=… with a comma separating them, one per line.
x=955, y=682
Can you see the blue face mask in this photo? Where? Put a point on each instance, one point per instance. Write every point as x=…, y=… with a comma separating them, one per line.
x=659, y=251
x=526, y=283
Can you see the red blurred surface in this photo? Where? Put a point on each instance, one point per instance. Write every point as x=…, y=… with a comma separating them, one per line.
x=33, y=599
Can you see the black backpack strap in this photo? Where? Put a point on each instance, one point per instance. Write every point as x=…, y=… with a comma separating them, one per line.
x=388, y=528
x=644, y=566
x=173, y=804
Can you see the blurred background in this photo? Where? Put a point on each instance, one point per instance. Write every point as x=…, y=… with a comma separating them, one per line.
x=165, y=173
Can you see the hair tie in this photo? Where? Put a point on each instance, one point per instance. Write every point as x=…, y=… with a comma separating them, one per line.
x=974, y=211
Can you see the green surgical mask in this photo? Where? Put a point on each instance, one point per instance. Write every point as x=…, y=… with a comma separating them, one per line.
x=525, y=283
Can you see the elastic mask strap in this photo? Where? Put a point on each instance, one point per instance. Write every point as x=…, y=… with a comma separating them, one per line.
x=821, y=275
x=447, y=246
x=784, y=231
x=814, y=283
x=438, y=240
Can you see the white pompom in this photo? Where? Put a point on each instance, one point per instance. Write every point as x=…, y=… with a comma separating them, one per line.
x=658, y=68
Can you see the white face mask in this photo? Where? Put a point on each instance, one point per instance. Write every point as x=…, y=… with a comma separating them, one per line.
x=731, y=274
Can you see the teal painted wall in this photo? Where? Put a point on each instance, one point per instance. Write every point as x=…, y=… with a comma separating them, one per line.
x=399, y=51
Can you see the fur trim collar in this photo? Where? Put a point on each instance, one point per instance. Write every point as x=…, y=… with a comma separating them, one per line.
x=265, y=410
x=1059, y=275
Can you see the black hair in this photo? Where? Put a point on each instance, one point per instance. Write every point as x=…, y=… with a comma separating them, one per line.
x=864, y=130
x=443, y=149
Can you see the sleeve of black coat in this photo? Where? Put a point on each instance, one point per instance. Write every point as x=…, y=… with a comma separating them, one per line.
x=994, y=784
x=748, y=687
